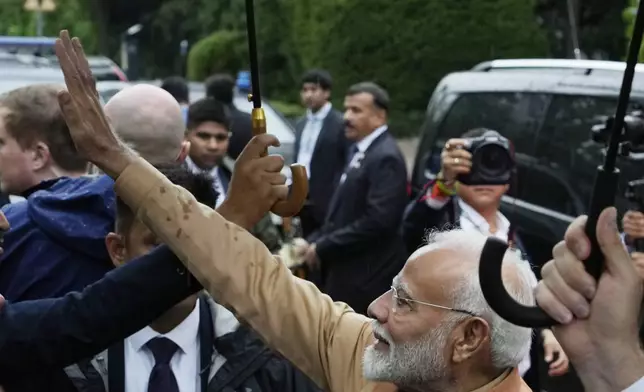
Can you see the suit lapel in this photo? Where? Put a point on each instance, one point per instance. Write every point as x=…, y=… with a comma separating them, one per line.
x=323, y=136
x=350, y=172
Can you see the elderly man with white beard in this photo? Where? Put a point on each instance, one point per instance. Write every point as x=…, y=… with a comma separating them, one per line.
x=451, y=340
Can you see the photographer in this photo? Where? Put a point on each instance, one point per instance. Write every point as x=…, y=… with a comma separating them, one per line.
x=447, y=201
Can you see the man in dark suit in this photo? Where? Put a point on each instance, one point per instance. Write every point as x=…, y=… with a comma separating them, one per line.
x=222, y=88
x=320, y=145
x=358, y=248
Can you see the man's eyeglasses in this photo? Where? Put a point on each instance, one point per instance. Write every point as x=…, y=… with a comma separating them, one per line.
x=402, y=304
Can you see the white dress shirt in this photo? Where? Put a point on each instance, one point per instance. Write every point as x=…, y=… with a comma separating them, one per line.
x=472, y=220
x=310, y=135
x=216, y=181
x=362, y=146
x=185, y=363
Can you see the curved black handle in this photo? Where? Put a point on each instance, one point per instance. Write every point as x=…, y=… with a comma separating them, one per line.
x=498, y=297
x=490, y=267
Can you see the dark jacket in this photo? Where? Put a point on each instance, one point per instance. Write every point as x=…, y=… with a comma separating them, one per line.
x=249, y=366
x=4, y=199
x=327, y=164
x=39, y=338
x=359, y=245
x=242, y=131
x=56, y=243
x=419, y=218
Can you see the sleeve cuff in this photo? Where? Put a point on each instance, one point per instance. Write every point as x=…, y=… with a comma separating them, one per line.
x=135, y=183
x=433, y=197
x=637, y=387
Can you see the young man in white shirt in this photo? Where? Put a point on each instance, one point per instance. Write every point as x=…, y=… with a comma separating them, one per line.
x=208, y=132
x=196, y=346
x=447, y=202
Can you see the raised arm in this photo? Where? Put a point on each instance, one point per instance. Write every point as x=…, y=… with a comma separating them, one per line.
x=319, y=336
x=50, y=334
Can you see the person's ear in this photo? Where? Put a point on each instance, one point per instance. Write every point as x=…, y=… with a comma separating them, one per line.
x=185, y=150
x=469, y=338
x=40, y=156
x=115, y=245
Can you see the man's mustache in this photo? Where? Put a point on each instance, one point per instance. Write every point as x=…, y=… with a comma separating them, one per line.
x=348, y=124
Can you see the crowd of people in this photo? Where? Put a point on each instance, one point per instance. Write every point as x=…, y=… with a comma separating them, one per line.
x=158, y=271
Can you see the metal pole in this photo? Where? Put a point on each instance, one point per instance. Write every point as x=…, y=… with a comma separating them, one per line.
x=573, y=30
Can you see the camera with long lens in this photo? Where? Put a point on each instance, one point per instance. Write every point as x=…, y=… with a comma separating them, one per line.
x=492, y=160
x=632, y=135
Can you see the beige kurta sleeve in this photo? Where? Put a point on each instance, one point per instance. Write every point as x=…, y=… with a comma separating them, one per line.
x=324, y=339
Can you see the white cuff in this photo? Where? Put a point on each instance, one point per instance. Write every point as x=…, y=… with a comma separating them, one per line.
x=638, y=386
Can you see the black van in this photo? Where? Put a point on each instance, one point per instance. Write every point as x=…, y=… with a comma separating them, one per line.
x=548, y=117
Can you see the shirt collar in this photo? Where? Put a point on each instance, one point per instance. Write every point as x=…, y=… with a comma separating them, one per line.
x=502, y=223
x=192, y=166
x=364, y=144
x=496, y=382
x=320, y=114
x=183, y=335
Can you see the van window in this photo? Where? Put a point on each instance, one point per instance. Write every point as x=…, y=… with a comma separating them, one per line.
x=564, y=144
x=516, y=116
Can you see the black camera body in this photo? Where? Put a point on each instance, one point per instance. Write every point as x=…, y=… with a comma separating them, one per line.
x=631, y=136
x=492, y=160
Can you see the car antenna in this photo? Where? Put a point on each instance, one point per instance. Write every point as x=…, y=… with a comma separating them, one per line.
x=573, y=30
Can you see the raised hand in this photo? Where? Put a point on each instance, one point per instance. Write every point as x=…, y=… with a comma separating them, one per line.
x=80, y=104
x=599, y=319
x=256, y=184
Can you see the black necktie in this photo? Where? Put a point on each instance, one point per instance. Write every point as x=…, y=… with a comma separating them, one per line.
x=162, y=378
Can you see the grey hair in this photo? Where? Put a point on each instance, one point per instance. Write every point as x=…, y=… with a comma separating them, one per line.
x=509, y=343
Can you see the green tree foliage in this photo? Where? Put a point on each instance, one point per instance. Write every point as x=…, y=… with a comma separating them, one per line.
x=223, y=51
x=629, y=21
x=408, y=46
x=599, y=24
x=69, y=14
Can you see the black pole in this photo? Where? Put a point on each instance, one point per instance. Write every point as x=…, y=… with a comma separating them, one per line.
x=252, y=51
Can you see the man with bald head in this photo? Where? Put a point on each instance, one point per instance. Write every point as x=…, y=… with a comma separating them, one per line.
x=150, y=121
x=56, y=243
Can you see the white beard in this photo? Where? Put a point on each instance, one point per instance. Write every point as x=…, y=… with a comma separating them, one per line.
x=410, y=364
